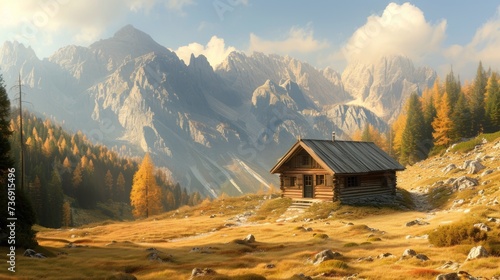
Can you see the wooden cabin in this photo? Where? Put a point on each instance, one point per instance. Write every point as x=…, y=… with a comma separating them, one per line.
x=333, y=170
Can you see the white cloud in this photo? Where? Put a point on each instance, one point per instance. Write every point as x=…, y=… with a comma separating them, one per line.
x=298, y=40
x=35, y=22
x=483, y=46
x=400, y=30
x=215, y=51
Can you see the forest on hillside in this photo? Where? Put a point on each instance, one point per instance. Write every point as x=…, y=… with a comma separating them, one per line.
x=66, y=171
x=445, y=114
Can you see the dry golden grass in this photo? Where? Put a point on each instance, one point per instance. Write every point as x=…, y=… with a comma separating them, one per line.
x=109, y=248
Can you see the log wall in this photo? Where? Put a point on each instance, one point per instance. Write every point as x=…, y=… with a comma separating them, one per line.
x=369, y=185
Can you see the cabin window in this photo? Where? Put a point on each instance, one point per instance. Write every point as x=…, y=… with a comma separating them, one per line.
x=306, y=160
x=293, y=180
x=352, y=181
x=320, y=179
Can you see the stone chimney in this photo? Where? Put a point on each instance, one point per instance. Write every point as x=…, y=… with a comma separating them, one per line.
x=333, y=136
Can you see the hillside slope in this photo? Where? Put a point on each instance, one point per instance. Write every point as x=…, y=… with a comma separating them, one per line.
x=371, y=242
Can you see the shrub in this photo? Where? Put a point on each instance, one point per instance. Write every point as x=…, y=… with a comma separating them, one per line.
x=351, y=244
x=467, y=146
x=372, y=239
x=454, y=234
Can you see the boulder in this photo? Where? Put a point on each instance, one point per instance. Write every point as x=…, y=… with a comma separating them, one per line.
x=464, y=182
x=408, y=253
x=461, y=275
x=451, y=265
x=475, y=166
x=466, y=164
x=199, y=272
x=422, y=257
x=486, y=172
x=385, y=256
x=482, y=227
x=448, y=168
x=249, y=239
x=32, y=254
x=476, y=253
x=325, y=255
x=416, y=222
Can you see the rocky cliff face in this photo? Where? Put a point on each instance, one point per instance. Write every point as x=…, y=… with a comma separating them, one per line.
x=217, y=130
x=384, y=86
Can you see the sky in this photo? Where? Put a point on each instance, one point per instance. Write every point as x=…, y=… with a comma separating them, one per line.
x=441, y=34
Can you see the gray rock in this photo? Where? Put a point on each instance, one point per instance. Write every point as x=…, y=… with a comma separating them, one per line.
x=448, y=168
x=29, y=253
x=325, y=255
x=422, y=257
x=198, y=272
x=249, y=239
x=475, y=166
x=416, y=222
x=486, y=172
x=464, y=182
x=385, y=256
x=365, y=259
x=408, y=253
x=482, y=227
x=476, y=253
x=461, y=275
x=451, y=265
x=270, y=266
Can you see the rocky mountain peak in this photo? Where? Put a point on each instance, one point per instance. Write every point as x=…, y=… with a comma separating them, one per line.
x=15, y=51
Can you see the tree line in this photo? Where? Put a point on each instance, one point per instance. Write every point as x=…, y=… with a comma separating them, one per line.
x=66, y=171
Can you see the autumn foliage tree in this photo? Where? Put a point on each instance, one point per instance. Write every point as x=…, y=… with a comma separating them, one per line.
x=146, y=195
x=442, y=124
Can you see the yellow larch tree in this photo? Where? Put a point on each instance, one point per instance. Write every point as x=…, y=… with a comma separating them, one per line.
x=442, y=124
x=145, y=196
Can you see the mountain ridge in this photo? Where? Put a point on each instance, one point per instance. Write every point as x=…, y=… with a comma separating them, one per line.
x=199, y=121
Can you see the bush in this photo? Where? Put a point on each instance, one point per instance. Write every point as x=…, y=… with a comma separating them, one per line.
x=351, y=244
x=467, y=146
x=454, y=234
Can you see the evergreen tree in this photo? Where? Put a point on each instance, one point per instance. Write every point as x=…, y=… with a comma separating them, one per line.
x=66, y=214
x=442, y=124
x=461, y=119
x=120, y=187
x=108, y=182
x=477, y=100
x=412, y=145
x=452, y=88
x=145, y=197
x=25, y=236
x=493, y=104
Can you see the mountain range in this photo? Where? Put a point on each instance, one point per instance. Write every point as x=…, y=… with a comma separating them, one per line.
x=216, y=128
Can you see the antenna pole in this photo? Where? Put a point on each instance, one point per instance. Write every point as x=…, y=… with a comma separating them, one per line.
x=21, y=133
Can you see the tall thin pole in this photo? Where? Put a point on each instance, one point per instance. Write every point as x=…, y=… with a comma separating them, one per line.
x=21, y=133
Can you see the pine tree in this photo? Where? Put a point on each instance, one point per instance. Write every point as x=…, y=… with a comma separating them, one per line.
x=145, y=197
x=477, y=100
x=413, y=148
x=66, y=214
x=108, y=182
x=452, y=87
x=120, y=187
x=461, y=119
x=493, y=104
x=442, y=124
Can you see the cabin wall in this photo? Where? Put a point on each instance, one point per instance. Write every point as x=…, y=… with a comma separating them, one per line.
x=368, y=186
x=323, y=191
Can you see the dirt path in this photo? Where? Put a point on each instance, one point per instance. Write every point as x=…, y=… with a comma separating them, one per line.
x=421, y=201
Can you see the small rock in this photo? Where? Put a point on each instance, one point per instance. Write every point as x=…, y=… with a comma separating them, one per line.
x=269, y=266
x=213, y=216
x=464, y=182
x=416, y=222
x=408, y=253
x=29, y=253
x=450, y=265
x=325, y=255
x=449, y=167
x=482, y=227
x=198, y=272
x=476, y=253
x=365, y=259
x=249, y=239
x=475, y=166
x=385, y=256
x=461, y=275
x=487, y=172
x=422, y=257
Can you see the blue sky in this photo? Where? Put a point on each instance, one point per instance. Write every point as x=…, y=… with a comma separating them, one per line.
x=323, y=33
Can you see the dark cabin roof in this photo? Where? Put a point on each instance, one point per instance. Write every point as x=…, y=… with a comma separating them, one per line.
x=344, y=157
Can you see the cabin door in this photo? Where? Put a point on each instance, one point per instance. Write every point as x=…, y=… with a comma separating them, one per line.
x=308, y=186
